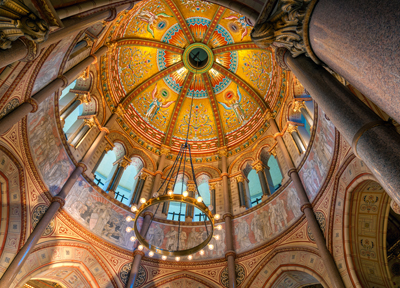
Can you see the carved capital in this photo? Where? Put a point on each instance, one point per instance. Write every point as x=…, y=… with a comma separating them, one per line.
x=227, y=215
x=18, y=21
x=34, y=104
x=125, y=162
x=138, y=252
x=165, y=150
x=258, y=166
x=111, y=46
x=32, y=47
x=191, y=187
x=287, y=27
x=212, y=186
x=297, y=105
x=270, y=115
x=273, y=152
x=120, y=111
x=85, y=73
x=239, y=178
x=223, y=152
x=143, y=176
x=83, y=165
x=305, y=206
x=84, y=98
x=108, y=148
x=230, y=253
x=88, y=40
x=59, y=200
x=89, y=122
x=292, y=128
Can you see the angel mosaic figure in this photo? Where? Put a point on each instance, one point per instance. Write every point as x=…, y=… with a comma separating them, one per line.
x=150, y=18
x=156, y=104
x=236, y=106
x=243, y=22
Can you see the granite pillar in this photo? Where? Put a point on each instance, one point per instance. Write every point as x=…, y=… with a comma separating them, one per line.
x=212, y=198
x=359, y=40
x=138, y=189
x=191, y=188
x=307, y=209
x=230, y=254
x=241, y=190
x=32, y=104
x=374, y=141
x=259, y=167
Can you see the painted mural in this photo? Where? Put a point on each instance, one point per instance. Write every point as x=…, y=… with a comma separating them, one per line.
x=98, y=215
x=46, y=147
x=316, y=168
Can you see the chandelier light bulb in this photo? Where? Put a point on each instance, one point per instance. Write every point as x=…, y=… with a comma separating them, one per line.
x=217, y=216
x=199, y=199
x=133, y=238
x=177, y=258
x=210, y=246
x=134, y=208
x=202, y=252
x=219, y=227
x=128, y=229
x=164, y=257
x=185, y=193
x=140, y=247
x=151, y=253
x=190, y=257
x=216, y=237
x=142, y=200
x=129, y=218
x=170, y=192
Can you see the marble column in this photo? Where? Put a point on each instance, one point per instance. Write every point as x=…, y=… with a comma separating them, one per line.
x=212, y=197
x=292, y=130
x=267, y=174
x=230, y=254
x=307, y=209
x=116, y=177
x=58, y=202
x=374, y=141
x=80, y=99
x=20, y=50
x=88, y=125
x=241, y=190
x=138, y=188
x=106, y=149
x=32, y=104
x=259, y=167
x=138, y=255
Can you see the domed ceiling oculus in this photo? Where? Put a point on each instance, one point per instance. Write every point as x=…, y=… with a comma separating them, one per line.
x=153, y=74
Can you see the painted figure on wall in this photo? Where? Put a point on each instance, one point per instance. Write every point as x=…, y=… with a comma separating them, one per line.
x=242, y=231
x=150, y=18
x=235, y=105
x=156, y=104
x=293, y=202
x=172, y=239
x=155, y=235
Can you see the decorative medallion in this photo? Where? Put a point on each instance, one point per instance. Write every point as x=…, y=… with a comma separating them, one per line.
x=322, y=223
x=126, y=270
x=37, y=214
x=240, y=275
x=198, y=58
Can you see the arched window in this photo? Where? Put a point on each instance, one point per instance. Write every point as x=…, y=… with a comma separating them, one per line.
x=175, y=209
x=254, y=187
x=275, y=172
x=71, y=122
x=129, y=179
x=104, y=168
x=204, y=190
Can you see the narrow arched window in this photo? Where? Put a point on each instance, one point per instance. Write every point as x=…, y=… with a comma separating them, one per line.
x=275, y=172
x=176, y=209
x=204, y=190
x=255, y=189
x=104, y=168
x=129, y=180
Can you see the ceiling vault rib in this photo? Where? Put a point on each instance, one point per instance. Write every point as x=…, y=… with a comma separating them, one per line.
x=235, y=78
x=149, y=43
x=235, y=47
x=216, y=18
x=182, y=22
x=213, y=102
x=177, y=109
x=152, y=80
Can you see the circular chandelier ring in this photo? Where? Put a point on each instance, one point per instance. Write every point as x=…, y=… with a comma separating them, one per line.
x=181, y=199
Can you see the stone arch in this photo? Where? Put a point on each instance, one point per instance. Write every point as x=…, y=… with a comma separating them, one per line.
x=293, y=258
x=148, y=162
x=210, y=170
x=285, y=269
x=237, y=163
x=182, y=276
x=68, y=253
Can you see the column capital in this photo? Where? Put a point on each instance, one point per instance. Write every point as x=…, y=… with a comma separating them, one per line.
x=34, y=104
x=143, y=176
x=291, y=128
x=239, y=178
x=287, y=27
x=227, y=214
x=297, y=105
x=258, y=166
x=230, y=253
x=212, y=186
x=273, y=152
x=138, y=252
x=83, y=98
x=223, y=152
x=191, y=187
x=85, y=73
x=270, y=115
x=119, y=110
x=65, y=81
x=125, y=162
x=89, y=122
x=83, y=165
x=88, y=40
x=59, y=200
x=305, y=206
x=165, y=150
x=108, y=147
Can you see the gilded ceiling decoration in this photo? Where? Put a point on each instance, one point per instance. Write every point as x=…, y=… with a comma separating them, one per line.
x=168, y=52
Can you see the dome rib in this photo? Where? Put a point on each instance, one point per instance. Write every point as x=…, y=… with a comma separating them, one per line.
x=214, y=22
x=159, y=75
x=178, y=15
x=213, y=102
x=235, y=78
x=177, y=109
x=235, y=47
x=149, y=43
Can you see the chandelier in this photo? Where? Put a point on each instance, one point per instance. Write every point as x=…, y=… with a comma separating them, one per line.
x=183, y=165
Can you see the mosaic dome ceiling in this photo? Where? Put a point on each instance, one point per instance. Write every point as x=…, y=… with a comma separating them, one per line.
x=169, y=54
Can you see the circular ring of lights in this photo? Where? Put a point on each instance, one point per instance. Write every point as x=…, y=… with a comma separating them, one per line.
x=174, y=198
x=186, y=60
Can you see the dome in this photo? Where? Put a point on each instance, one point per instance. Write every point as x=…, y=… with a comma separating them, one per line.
x=181, y=59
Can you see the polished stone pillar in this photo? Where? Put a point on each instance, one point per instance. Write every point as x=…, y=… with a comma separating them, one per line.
x=359, y=40
x=259, y=167
x=116, y=176
x=372, y=140
x=80, y=99
x=267, y=174
x=307, y=209
x=212, y=197
x=58, y=202
x=300, y=106
x=241, y=190
x=88, y=125
x=20, y=50
x=138, y=188
x=191, y=188
x=138, y=255
x=106, y=149
x=32, y=104
x=230, y=252
x=292, y=130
